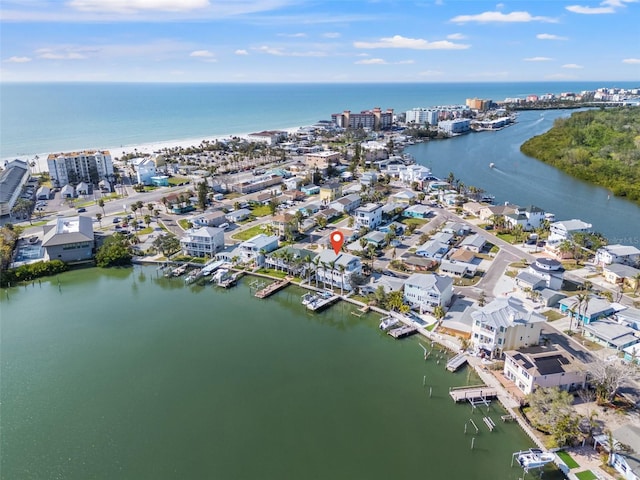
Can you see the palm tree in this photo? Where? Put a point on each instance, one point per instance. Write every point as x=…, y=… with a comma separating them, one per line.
x=101, y=205
x=307, y=262
x=341, y=269
x=324, y=274
x=99, y=218
x=332, y=266
x=564, y=248
x=147, y=220
x=134, y=209
x=316, y=265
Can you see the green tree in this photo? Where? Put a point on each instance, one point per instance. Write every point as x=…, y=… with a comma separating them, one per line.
x=101, y=205
x=203, y=192
x=114, y=252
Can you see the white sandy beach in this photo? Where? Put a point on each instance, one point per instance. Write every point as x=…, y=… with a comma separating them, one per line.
x=144, y=148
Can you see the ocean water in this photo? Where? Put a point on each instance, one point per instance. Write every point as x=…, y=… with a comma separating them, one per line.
x=41, y=118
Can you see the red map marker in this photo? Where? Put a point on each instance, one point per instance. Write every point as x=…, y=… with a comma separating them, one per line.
x=337, y=239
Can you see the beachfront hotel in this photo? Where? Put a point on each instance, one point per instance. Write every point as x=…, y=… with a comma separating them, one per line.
x=89, y=166
x=374, y=119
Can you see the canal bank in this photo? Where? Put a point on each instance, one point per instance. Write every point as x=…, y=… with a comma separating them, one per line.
x=523, y=180
x=123, y=373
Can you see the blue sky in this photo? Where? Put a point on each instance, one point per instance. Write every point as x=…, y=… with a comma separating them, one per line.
x=319, y=41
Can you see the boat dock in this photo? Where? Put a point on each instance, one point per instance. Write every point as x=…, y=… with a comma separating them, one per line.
x=402, y=332
x=321, y=301
x=473, y=394
x=456, y=362
x=272, y=288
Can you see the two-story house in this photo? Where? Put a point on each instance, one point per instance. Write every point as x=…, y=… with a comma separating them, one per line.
x=623, y=254
x=336, y=270
x=202, y=242
x=565, y=229
x=426, y=291
x=543, y=273
x=505, y=324
x=69, y=239
x=543, y=367
x=530, y=217
x=256, y=247
x=329, y=192
x=347, y=204
x=368, y=216
x=286, y=225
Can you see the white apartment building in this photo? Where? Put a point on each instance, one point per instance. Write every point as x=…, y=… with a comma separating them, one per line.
x=426, y=291
x=452, y=127
x=202, y=242
x=420, y=116
x=89, y=166
x=505, y=324
x=368, y=216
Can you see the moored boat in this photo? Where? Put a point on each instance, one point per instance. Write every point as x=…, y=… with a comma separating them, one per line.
x=534, y=458
x=387, y=322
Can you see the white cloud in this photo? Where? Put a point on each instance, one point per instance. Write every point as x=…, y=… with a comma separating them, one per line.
x=499, y=17
x=279, y=52
x=606, y=7
x=572, y=65
x=331, y=35
x=398, y=41
x=456, y=36
x=60, y=54
x=632, y=61
x=202, y=54
x=129, y=6
x=18, y=59
x=241, y=52
x=371, y=61
x=550, y=36
x=537, y=59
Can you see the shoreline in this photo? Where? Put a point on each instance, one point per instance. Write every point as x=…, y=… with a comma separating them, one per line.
x=142, y=148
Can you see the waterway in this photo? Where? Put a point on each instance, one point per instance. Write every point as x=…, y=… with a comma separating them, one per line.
x=125, y=374
x=523, y=180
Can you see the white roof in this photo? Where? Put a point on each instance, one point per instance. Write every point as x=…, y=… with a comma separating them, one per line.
x=506, y=312
x=428, y=281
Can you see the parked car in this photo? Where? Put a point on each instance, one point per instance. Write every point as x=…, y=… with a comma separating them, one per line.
x=82, y=210
x=116, y=220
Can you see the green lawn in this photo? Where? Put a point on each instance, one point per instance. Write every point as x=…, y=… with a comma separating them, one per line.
x=507, y=237
x=567, y=459
x=248, y=233
x=338, y=219
x=418, y=222
x=261, y=211
x=552, y=316
x=173, y=181
x=586, y=475
x=184, y=224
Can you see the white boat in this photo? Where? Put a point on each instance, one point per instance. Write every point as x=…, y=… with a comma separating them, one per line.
x=307, y=298
x=534, y=458
x=387, y=322
x=491, y=165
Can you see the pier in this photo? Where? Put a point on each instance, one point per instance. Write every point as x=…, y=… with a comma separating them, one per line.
x=402, y=332
x=476, y=394
x=456, y=362
x=273, y=288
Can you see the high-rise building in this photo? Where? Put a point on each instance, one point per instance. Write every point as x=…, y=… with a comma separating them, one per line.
x=420, y=116
x=89, y=166
x=478, y=104
x=374, y=119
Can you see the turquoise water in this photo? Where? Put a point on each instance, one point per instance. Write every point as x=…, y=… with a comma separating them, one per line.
x=125, y=374
x=51, y=117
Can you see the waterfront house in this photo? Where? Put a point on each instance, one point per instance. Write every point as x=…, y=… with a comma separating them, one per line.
x=543, y=273
x=202, y=242
x=623, y=254
x=238, y=215
x=329, y=192
x=474, y=243
x=529, y=218
x=69, y=239
x=565, y=229
x=256, y=247
x=387, y=282
x=595, y=308
x=293, y=260
x=487, y=212
x=544, y=367
x=505, y=324
x=336, y=270
x=426, y=291
x=368, y=216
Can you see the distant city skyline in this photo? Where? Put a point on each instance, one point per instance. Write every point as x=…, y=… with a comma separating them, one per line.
x=303, y=41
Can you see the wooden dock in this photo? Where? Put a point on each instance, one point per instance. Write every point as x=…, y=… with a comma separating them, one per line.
x=456, y=362
x=273, y=288
x=472, y=394
x=403, y=331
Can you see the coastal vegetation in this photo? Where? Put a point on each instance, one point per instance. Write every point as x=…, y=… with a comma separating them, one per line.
x=598, y=146
x=115, y=251
x=31, y=271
